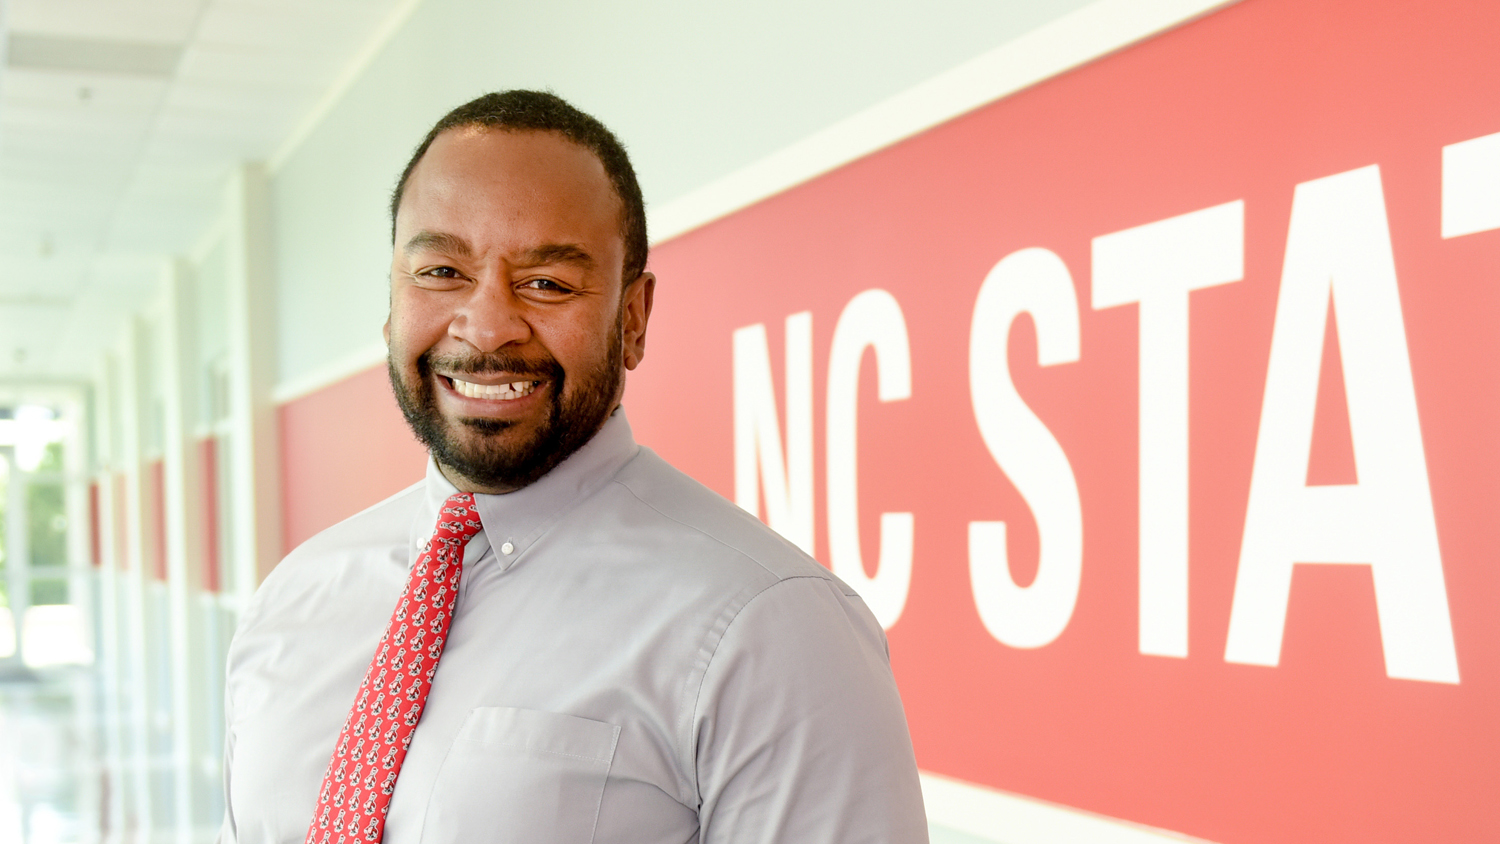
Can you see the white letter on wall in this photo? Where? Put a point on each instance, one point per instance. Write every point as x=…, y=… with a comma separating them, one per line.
x=871, y=320
x=758, y=455
x=1157, y=265
x=1033, y=281
x=1339, y=244
x=1471, y=186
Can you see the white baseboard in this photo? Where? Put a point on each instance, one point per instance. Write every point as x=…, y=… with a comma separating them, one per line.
x=1006, y=818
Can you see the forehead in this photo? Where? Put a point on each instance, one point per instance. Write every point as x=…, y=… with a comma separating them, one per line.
x=488, y=184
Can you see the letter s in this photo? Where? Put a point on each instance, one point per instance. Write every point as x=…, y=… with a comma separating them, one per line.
x=1033, y=281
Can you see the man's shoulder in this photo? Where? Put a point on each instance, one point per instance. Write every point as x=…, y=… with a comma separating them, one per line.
x=687, y=514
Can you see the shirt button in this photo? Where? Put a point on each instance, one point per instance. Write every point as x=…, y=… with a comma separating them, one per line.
x=507, y=548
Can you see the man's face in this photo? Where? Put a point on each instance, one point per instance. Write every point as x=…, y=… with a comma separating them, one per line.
x=510, y=327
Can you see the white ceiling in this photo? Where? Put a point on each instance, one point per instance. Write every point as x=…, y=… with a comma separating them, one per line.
x=119, y=123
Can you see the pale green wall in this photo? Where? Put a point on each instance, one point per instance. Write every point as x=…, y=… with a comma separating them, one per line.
x=696, y=90
x=211, y=303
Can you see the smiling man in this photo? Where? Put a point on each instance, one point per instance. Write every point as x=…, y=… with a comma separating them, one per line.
x=555, y=637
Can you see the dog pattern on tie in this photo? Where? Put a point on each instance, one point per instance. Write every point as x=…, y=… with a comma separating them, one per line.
x=361, y=776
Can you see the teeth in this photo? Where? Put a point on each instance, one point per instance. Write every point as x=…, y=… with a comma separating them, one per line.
x=513, y=390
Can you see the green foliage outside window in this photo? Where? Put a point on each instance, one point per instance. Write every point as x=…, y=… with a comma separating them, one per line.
x=52, y=458
x=49, y=591
x=47, y=524
x=47, y=528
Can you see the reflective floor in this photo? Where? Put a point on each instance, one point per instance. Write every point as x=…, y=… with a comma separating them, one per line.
x=51, y=783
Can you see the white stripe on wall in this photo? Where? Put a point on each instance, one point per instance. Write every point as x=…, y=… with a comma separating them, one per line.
x=330, y=373
x=1005, y=818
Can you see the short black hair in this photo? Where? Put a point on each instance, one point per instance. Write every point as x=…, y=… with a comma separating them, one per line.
x=543, y=111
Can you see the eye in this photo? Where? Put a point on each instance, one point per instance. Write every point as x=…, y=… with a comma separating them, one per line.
x=544, y=287
x=440, y=276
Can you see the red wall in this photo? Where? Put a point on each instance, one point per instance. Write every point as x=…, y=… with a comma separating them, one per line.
x=96, y=554
x=208, y=485
x=1246, y=104
x=121, y=537
x=343, y=448
x=156, y=518
x=1328, y=744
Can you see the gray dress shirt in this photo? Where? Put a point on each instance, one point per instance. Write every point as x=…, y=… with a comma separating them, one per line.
x=632, y=659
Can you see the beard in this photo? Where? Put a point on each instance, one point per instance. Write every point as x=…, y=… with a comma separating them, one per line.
x=476, y=449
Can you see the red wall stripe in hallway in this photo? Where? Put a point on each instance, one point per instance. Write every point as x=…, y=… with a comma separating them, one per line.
x=156, y=518
x=208, y=485
x=343, y=448
x=119, y=509
x=95, y=551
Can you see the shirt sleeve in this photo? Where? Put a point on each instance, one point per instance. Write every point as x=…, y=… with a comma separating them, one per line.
x=800, y=735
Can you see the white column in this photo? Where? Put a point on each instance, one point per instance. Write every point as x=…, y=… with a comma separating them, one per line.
x=184, y=543
x=254, y=456
x=17, y=550
x=110, y=658
x=132, y=599
x=76, y=471
x=82, y=593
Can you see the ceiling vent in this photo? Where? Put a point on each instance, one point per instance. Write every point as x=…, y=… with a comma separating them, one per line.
x=50, y=52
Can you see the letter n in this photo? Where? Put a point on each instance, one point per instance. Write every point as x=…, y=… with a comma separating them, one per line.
x=760, y=464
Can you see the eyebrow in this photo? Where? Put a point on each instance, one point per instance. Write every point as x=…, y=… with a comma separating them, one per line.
x=549, y=253
x=438, y=241
x=556, y=253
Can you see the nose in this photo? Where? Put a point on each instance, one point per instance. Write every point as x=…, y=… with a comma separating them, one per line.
x=490, y=318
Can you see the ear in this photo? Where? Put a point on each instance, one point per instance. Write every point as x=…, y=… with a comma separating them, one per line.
x=385, y=331
x=635, y=312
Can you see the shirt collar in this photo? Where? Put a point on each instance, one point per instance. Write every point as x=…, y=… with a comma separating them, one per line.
x=514, y=521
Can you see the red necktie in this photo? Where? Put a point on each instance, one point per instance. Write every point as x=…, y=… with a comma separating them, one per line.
x=361, y=776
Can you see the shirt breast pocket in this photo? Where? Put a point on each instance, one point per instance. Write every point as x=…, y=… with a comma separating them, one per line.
x=521, y=775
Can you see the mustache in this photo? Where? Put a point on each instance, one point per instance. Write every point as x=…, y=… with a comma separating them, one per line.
x=484, y=363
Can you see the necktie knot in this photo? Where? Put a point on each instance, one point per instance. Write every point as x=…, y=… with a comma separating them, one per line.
x=458, y=519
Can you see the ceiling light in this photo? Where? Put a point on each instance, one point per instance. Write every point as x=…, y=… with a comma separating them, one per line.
x=37, y=51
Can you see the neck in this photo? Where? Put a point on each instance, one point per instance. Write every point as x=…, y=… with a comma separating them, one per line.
x=464, y=484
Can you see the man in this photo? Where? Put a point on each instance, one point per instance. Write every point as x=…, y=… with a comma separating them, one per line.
x=624, y=656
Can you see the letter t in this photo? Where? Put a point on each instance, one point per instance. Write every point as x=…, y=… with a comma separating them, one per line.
x=1157, y=265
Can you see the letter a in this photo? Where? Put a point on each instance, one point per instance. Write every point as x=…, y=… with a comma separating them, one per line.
x=1339, y=245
